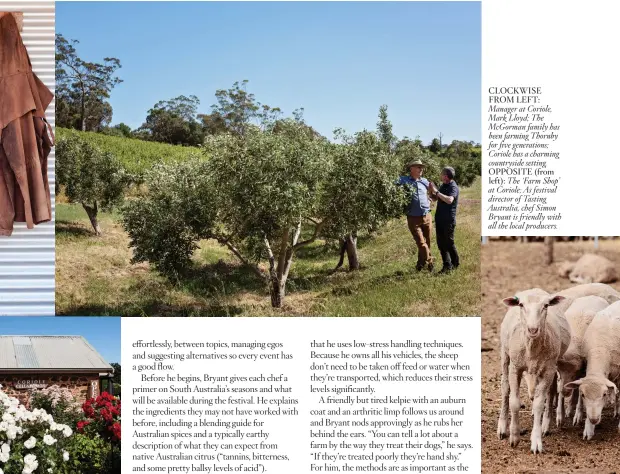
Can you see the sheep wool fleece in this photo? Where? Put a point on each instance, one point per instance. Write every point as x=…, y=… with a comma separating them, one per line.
x=25, y=136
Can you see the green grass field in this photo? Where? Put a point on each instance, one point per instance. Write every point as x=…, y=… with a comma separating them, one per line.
x=94, y=276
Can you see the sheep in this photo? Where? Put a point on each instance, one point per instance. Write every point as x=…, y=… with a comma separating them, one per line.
x=533, y=338
x=602, y=347
x=590, y=268
x=597, y=289
x=571, y=365
x=602, y=290
x=606, y=292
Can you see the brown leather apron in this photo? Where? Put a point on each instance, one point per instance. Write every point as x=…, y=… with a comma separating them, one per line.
x=25, y=136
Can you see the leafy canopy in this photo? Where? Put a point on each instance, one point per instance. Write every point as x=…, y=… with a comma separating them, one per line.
x=165, y=225
x=360, y=192
x=173, y=121
x=87, y=174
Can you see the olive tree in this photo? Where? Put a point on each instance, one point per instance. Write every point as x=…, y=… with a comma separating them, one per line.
x=268, y=185
x=253, y=194
x=360, y=193
x=89, y=176
x=166, y=223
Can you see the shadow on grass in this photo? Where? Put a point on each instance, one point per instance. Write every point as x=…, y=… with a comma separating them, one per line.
x=330, y=249
x=72, y=229
x=153, y=308
x=355, y=286
x=220, y=278
x=312, y=252
x=207, y=290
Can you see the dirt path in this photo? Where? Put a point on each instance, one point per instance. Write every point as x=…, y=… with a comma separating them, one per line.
x=508, y=267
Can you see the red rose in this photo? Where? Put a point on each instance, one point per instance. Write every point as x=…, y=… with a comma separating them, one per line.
x=82, y=424
x=116, y=431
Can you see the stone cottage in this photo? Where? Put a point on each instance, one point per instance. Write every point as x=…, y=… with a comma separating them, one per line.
x=34, y=362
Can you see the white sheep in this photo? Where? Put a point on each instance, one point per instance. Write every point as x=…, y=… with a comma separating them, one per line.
x=603, y=290
x=571, y=365
x=610, y=295
x=602, y=347
x=590, y=268
x=534, y=335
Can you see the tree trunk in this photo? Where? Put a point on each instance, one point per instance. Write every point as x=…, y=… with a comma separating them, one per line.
x=351, y=241
x=83, y=109
x=549, y=250
x=348, y=246
x=277, y=289
x=92, y=215
x=278, y=270
x=343, y=250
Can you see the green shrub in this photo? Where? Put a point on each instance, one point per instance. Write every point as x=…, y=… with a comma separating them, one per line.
x=89, y=176
x=59, y=402
x=165, y=224
x=89, y=456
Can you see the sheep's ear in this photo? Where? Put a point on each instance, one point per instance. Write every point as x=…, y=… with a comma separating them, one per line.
x=556, y=300
x=610, y=384
x=512, y=301
x=573, y=385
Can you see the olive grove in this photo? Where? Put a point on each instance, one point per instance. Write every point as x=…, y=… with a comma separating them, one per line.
x=264, y=195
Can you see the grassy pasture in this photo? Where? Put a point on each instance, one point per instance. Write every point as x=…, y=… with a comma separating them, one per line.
x=94, y=276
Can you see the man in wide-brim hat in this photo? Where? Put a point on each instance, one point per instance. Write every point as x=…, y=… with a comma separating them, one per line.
x=419, y=212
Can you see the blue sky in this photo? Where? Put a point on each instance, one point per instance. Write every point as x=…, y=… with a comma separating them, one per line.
x=338, y=60
x=104, y=333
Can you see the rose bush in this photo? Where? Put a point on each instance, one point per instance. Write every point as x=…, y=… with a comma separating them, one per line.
x=103, y=417
x=59, y=402
x=31, y=442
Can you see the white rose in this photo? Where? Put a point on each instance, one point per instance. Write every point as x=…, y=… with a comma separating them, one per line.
x=65, y=456
x=11, y=432
x=30, y=464
x=30, y=443
x=49, y=440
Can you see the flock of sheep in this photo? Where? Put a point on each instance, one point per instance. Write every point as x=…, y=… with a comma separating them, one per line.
x=567, y=347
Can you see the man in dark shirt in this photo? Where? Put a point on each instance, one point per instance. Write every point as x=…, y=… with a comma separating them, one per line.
x=447, y=198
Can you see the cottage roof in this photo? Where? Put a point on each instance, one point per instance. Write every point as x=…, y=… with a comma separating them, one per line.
x=50, y=354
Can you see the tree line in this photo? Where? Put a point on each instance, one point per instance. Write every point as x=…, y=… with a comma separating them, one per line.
x=84, y=88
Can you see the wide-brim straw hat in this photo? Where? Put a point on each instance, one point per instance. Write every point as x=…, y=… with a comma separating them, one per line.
x=416, y=163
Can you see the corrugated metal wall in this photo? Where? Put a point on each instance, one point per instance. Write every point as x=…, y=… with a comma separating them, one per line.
x=27, y=258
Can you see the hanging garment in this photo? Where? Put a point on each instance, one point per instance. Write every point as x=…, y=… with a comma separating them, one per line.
x=25, y=136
